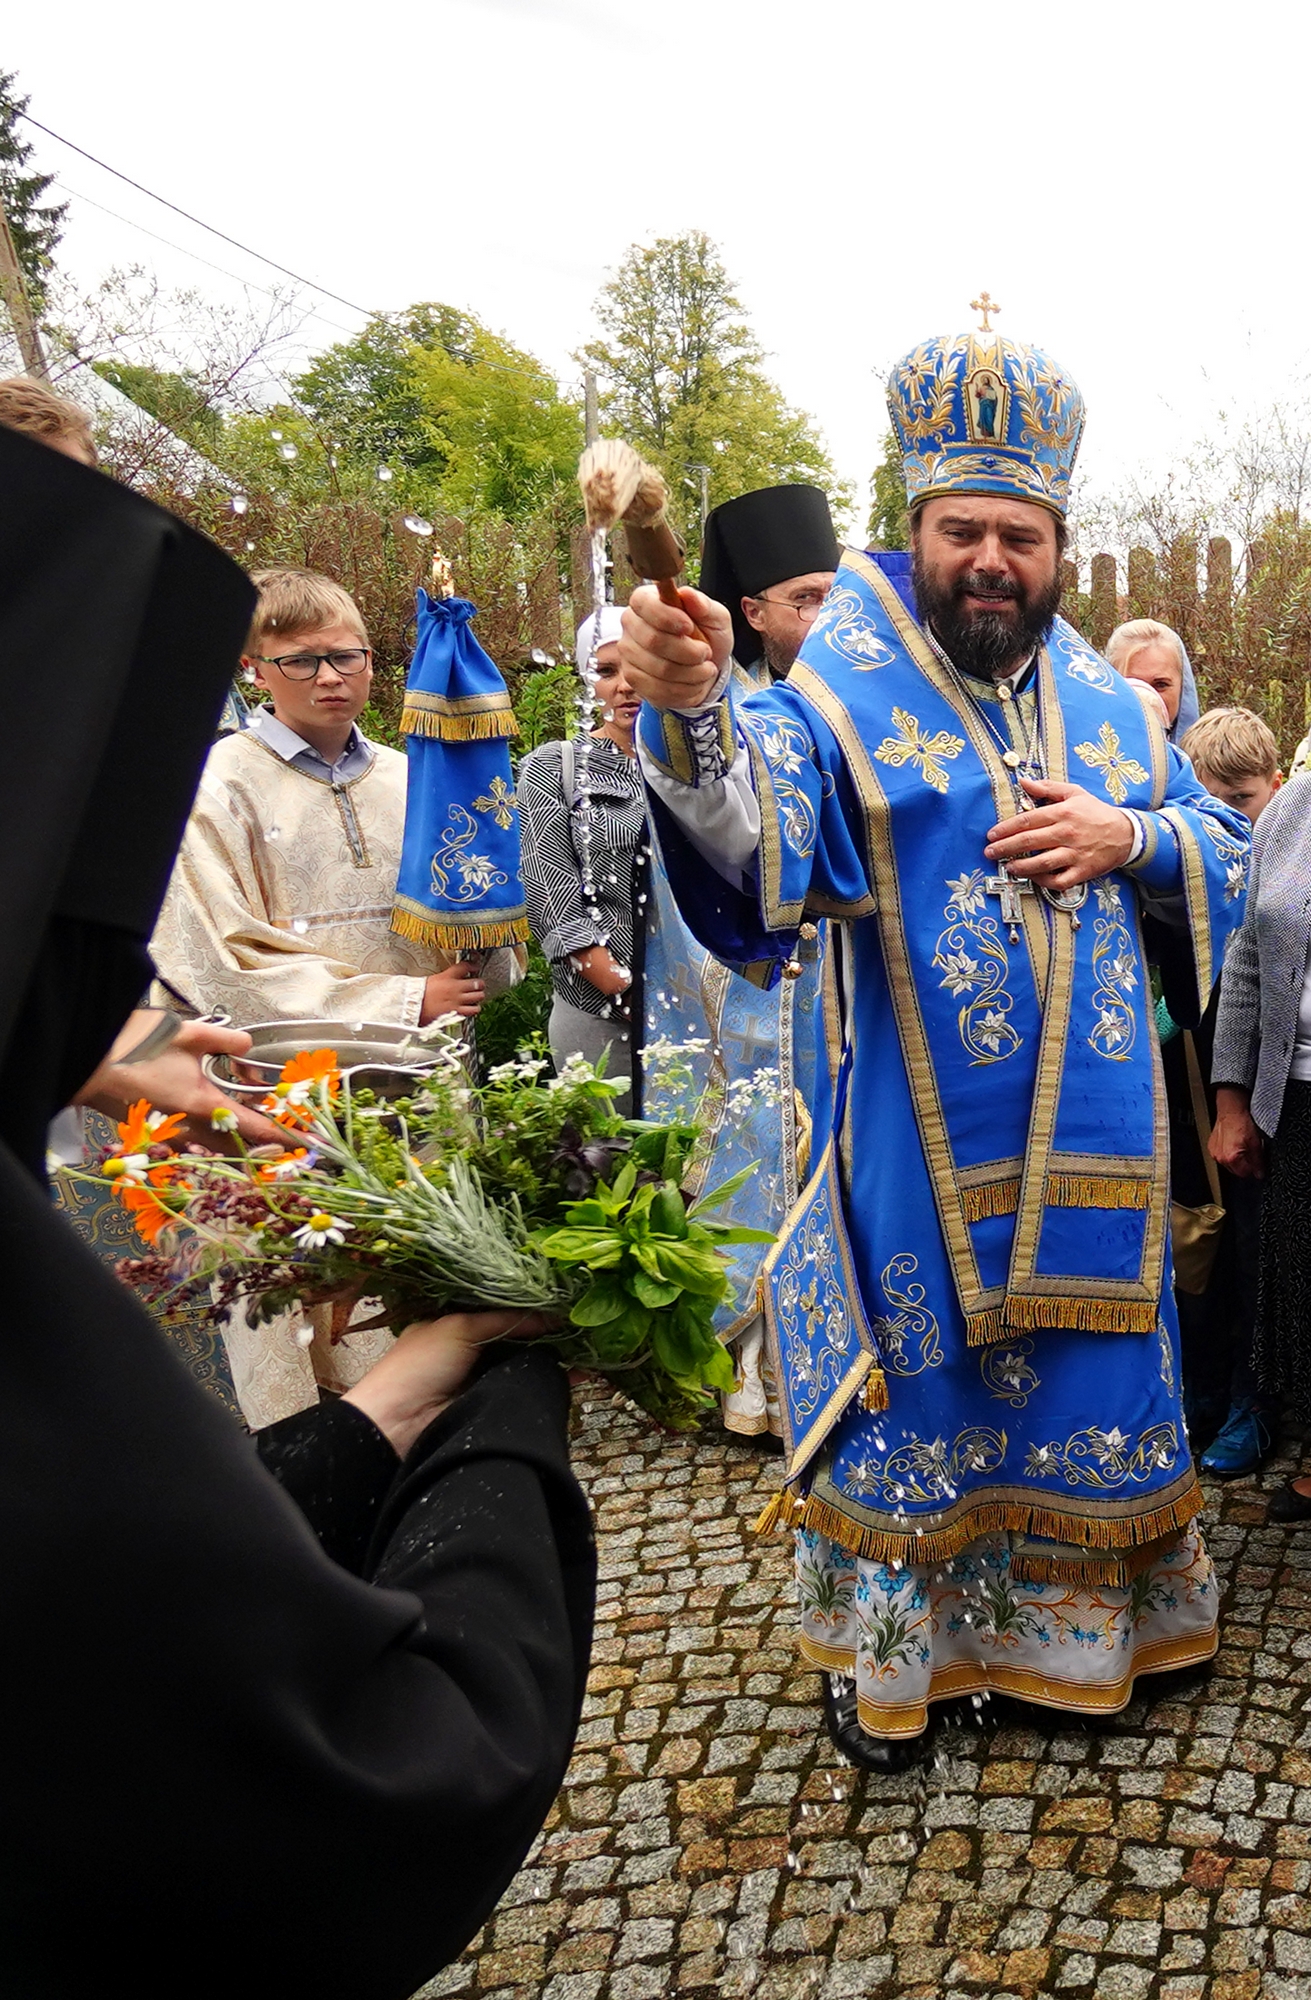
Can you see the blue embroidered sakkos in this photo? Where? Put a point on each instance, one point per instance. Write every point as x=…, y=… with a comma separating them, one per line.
x=1004, y=1155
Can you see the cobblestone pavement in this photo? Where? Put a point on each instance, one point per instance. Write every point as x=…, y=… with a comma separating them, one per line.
x=709, y=1838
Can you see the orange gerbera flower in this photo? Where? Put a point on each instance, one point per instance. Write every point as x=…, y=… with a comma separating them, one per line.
x=145, y=1127
x=294, y=1096
x=149, y=1214
x=311, y=1065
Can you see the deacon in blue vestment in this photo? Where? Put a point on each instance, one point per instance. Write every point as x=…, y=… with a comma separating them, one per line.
x=977, y=1346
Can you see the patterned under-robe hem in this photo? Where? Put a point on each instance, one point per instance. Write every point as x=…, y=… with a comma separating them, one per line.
x=920, y=1633
x=750, y=1407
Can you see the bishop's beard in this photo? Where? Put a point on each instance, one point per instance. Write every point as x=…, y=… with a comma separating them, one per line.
x=987, y=644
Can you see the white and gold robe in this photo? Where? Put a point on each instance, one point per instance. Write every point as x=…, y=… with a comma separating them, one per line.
x=280, y=909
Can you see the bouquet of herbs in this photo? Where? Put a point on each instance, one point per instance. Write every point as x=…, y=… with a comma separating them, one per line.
x=529, y=1193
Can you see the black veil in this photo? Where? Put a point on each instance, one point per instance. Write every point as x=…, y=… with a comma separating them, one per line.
x=228, y=1765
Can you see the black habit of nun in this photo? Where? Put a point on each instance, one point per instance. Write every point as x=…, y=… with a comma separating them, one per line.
x=231, y=1765
x=761, y=539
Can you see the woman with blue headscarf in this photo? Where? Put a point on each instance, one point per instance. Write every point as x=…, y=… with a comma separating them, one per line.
x=1145, y=650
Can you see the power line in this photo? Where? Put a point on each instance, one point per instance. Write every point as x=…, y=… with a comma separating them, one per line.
x=187, y=216
x=539, y=375
x=210, y=265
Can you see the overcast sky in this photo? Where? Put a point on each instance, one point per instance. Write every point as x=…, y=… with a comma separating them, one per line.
x=1127, y=178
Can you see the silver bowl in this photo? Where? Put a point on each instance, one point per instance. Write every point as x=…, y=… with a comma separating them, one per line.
x=392, y=1061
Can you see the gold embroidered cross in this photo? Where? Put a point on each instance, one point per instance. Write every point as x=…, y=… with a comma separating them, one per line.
x=986, y=305
x=1106, y=756
x=913, y=746
x=499, y=801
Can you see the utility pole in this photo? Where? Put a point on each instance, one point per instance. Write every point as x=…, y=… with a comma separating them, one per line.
x=591, y=420
x=14, y=292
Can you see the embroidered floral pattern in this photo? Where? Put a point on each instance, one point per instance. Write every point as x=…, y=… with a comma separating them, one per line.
x=1115, y=976
x=845, y=624
x=972, y=959
x=1087, y=667
x=1007, y=1373
x=925, y=1469
x=908, y=1319
x=1118, y=771
x=912, y=745
x=1105, y=1459
x=816, y=1330
x=477, y=873
x=785, y=748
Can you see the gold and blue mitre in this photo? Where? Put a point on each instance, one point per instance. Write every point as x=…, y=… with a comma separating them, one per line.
x=977, y=413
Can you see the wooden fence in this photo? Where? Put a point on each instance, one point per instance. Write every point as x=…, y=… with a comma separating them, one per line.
x=1246, y=624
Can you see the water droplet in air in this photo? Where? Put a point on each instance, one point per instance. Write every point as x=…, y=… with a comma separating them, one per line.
x=299, y=925
x=250, y=545
x=288, y=451
x=416, y=524
x=276, y=436
x=273, y=833
x=385, y=473
x=238, y=504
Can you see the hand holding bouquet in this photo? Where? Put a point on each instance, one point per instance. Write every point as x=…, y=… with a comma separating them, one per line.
x=529, y=1193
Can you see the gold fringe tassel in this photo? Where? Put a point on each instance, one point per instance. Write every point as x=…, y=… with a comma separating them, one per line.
x=1091, y=1191
x=983, y=1329
x=1116, y=1571
x=1082, y=1315
x=479, y=728
x=789, y=1510
x=874, y=1392
x=1023, y=1315
x=458, y=937
x=1063, y=1191
x=998, y=1198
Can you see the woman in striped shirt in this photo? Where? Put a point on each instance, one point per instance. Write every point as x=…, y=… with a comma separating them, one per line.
x=582, y=816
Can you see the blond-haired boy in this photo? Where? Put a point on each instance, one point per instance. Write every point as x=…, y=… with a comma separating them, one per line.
x=281, y=898
x=33, y=408
x=1236, y=757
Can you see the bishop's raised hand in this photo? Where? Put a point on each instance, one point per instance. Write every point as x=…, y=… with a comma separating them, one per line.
x=673, y=657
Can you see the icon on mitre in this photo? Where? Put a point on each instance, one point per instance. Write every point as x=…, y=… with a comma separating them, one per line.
x=985, y=401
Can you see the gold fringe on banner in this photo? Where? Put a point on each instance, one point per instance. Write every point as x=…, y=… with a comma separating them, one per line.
x=874, y=1392
x=1117, y=1538
x=459, y=937
x=477, y=728
x=1093, y=1191
x=997, y=1198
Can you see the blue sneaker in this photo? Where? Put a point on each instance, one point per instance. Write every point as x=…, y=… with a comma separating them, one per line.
x=1242, y=1446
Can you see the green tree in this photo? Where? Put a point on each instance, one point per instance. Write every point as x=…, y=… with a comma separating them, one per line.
x=34, y=224
x=685, y=381
x=433, y=390
x=889, y=524
x=181, y=401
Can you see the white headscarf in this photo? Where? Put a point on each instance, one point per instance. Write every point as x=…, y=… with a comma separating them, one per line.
x=611, y=628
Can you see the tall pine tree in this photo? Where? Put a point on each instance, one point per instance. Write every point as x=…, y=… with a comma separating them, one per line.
x=34, y=224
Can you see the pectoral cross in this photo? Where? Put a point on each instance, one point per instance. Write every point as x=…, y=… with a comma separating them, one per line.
x=1009, y=889
x=985, y=305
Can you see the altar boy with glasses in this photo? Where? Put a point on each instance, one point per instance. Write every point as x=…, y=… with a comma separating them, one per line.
x=281, y=900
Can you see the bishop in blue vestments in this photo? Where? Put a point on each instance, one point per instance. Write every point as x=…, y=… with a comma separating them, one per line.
x=987, y=1469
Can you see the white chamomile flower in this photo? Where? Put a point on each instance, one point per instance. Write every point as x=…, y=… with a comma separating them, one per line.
x=223, y=1119
x=320, y=1229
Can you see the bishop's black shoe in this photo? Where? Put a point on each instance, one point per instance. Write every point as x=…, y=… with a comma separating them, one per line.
x=871, y=1753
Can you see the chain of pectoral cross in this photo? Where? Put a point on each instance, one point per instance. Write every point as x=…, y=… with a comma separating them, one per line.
x=1009, y=889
